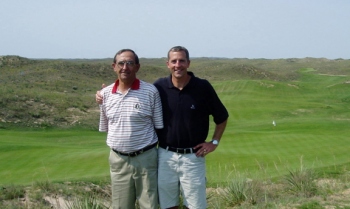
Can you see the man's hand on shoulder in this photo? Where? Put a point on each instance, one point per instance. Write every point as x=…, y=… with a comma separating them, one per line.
x=98, y=96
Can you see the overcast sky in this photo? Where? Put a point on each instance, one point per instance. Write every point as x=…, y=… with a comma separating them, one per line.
x=208, y=28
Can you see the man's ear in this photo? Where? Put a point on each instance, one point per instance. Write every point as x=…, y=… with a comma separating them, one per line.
x=138, y=67
x=167, y=64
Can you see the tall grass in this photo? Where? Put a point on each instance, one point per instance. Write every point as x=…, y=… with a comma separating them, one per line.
x=301, y=181
x=303, y=188
x=11, y=192
x=86, y=202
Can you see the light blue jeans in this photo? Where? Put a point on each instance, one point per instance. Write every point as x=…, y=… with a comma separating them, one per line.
x=181, y=173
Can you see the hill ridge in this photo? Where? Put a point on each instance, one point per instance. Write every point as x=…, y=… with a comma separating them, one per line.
x=60, y=93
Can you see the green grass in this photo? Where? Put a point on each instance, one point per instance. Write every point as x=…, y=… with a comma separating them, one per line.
x=312, y=118
x=311, y=112
x=29, y=156
x=312, y=124
x=257, y=165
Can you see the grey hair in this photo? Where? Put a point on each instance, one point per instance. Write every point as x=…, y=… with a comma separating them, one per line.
x=126, y=50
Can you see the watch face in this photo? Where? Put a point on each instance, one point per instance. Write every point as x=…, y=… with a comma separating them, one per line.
x=215, y=142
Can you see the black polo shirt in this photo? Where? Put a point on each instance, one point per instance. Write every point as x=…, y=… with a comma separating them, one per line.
x=186, y=112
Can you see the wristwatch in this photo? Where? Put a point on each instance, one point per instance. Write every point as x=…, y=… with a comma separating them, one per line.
x=215, y=142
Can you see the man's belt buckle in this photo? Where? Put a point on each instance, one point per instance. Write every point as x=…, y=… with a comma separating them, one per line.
x=132, y=154
x=181, y=150
x=139, y=152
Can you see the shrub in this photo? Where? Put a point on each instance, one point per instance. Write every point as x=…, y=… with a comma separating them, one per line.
x=301, y=182
x=11, y=192
x=86, y=202
x=241, y=190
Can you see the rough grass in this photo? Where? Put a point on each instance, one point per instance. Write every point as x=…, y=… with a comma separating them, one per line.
x=301, y=188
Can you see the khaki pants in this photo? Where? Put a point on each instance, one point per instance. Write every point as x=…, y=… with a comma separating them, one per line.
x=134, y=178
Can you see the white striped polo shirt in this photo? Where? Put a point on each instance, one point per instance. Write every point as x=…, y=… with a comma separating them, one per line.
x=130, y=119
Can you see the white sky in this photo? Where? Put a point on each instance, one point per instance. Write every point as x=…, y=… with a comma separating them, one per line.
x=217, y=28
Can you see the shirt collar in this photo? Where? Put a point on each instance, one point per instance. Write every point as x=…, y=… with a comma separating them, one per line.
x=134, y=86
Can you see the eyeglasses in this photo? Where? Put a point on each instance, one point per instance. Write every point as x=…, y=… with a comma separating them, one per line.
x=128, y=63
